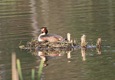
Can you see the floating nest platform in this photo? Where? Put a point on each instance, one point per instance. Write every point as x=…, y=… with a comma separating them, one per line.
x=61, y=46
x=35, y=45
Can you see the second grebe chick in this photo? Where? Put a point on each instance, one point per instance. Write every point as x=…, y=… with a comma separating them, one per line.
x=44, y=36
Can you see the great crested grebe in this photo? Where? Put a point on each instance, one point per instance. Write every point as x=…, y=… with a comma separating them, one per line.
x=45, y=37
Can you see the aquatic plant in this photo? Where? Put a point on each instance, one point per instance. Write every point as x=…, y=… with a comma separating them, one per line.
x=33, y=74
x=19, y=70
x=40, y=69
x=14, y=69
x=33, y=71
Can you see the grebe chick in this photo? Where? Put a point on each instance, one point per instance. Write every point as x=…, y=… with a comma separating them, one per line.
x=45, y=37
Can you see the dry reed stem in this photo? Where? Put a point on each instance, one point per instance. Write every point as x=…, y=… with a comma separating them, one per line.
x=83, y=41
x=98, y=45
x=14, y=69
x=68, y=37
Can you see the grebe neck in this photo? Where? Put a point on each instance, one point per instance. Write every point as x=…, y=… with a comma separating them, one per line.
x=43, y=34
x=39, y=37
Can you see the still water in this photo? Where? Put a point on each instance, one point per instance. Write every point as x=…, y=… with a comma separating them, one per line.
x=20, y=21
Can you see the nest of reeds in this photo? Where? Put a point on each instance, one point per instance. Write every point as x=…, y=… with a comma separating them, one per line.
x=34, y=44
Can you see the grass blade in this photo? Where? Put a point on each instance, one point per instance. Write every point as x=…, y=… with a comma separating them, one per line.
x=19, y=69
x=33, y=74
x=40, y=69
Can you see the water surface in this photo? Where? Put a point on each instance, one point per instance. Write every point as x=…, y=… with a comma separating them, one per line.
x=20, y=21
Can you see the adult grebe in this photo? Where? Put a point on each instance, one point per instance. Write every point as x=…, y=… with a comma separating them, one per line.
x=44, y=36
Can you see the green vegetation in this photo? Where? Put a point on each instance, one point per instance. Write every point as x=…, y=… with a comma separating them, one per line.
x=40, y=69
x=19, y=70
x=33, y=74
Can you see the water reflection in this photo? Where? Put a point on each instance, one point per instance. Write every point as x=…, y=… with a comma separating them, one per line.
x=20, y=18
x=91, y=48
x=45, y=12
x=69, y=56
x=47, y=55
x=83, y=53
x=34, y=18
x=2, y=72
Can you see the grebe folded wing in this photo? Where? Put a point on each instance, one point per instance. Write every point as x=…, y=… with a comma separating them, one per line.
x=50, y=38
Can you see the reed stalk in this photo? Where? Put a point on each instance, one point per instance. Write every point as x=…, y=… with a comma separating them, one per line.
x=19, y=69
x=14, y=69
x=33, y=74
x=40, y=69
x=68, y=37
x=98, y=45
x=83, y=41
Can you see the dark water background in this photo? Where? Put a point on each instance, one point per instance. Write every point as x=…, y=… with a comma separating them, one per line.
x=20, y=21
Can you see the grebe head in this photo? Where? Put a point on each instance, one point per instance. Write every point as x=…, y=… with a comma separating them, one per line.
x=44, y=30
x=44, y=36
